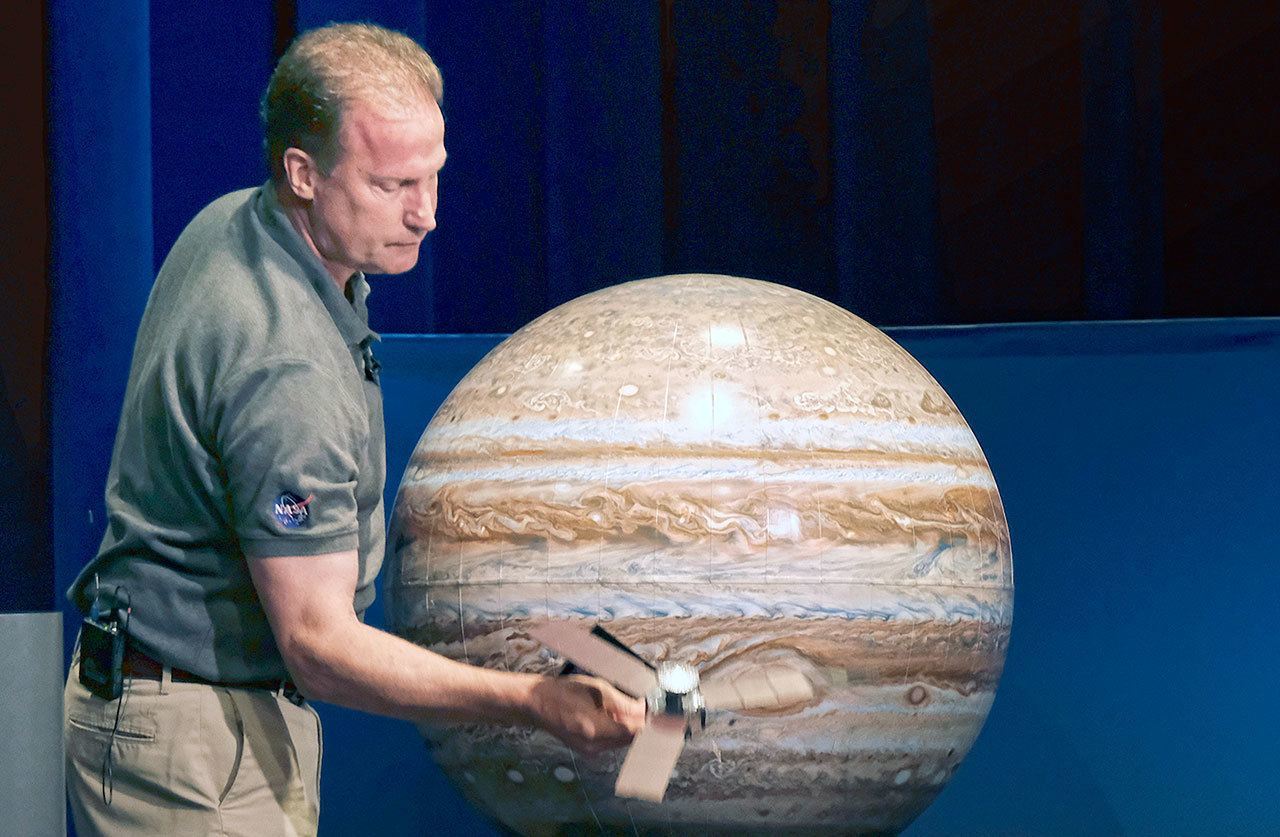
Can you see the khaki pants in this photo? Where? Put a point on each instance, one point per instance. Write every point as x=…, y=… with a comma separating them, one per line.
x=193, y=759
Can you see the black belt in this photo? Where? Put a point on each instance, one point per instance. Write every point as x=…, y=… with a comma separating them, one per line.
x=140, y=664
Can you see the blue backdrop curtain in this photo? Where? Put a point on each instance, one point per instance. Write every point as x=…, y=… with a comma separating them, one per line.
x=914, y=162
x=101, y=249
x=948, y=162
x=865, y=151
x=594, y=143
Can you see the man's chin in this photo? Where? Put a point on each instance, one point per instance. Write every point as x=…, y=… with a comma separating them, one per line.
x=399, y=263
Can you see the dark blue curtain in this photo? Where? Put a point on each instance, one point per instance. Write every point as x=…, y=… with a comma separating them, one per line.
x=886, y=236
x=101, y=263
x=589, y=144
x=594, y=143
x=917, y=163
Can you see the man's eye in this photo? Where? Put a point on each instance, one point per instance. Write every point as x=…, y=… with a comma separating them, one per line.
x=388, y=187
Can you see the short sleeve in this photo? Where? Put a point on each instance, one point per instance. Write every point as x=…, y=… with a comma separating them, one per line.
x=290, y=440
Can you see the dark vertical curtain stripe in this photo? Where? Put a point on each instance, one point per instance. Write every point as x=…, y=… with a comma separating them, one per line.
x=1148, y=66
x=885, y=162
x=24, y=521
x=1112, y=283
x=670, y=132
x=1006, y=80
x=603, y=164
x=752, y=118
x=25, y=532
x=1220, y=79
x=285, y=26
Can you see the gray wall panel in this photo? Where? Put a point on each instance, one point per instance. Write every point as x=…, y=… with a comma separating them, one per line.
x=31, y=782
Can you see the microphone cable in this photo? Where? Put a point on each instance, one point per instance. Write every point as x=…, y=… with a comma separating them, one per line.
x=108, y=784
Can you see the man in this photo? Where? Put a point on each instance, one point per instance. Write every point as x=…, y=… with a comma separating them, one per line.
x=245, y=521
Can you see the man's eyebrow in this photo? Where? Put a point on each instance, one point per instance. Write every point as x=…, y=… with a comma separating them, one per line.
x=373, y=175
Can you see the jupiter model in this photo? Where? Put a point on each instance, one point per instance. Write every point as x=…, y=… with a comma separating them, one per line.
x=727, y=474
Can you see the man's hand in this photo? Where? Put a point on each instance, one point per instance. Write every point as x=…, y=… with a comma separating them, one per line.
x=586, y=713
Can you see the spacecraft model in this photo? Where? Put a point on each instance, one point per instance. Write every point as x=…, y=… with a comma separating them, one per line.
x=674, y=695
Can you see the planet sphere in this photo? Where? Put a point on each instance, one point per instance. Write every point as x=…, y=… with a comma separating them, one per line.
x=727, y=473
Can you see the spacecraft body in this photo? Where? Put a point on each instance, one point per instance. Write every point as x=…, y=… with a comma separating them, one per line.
x=728, y=474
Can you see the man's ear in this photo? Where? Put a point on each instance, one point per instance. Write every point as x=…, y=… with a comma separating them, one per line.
x=301, y=173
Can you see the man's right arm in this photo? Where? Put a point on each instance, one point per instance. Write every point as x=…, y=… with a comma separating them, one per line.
x=336, y=658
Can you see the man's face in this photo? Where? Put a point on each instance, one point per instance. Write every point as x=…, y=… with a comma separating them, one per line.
x=371, y=212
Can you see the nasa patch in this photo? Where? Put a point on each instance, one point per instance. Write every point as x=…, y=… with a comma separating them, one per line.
x=291, y=510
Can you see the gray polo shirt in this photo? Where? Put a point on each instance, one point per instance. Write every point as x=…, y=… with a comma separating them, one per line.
x=252, y=427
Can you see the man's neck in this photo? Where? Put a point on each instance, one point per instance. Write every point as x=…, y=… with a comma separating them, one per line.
x=296, y=210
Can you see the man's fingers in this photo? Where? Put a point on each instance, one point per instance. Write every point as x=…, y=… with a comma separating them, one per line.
x=624, y=709
x=593, y=686
x=589, y=714
x=621, y=708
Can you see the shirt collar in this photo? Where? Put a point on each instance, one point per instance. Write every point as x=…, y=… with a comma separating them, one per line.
x=351, y=316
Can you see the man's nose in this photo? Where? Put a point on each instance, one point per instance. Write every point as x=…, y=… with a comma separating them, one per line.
x=422, y=212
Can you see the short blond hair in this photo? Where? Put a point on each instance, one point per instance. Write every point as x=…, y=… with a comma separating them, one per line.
x=324, y=71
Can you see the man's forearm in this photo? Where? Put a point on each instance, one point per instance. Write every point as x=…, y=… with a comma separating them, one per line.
x=336, y=658
x=354, y=665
